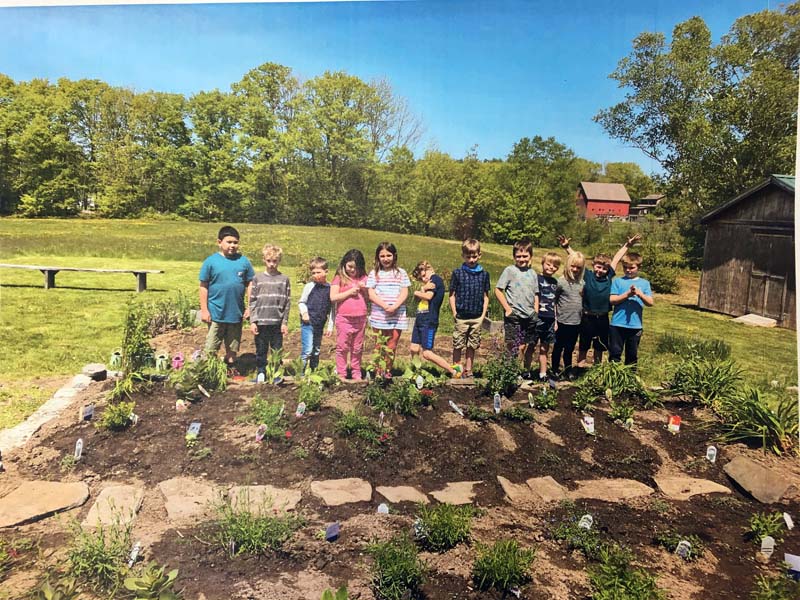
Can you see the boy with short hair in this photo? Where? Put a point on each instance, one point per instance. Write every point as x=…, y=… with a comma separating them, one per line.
x=517, y=292
x=269, y=308
x=315, y=309
x=629, y=294
x=469, y=300
x=225, y=278
x=426, y=321
x=546, y=295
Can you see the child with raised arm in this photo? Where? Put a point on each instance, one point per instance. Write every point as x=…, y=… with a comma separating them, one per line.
x=516, y=291
x=569, y=306
x=388, y=290
x=629, y=295
x=546, y=326
x=315, y=310
x=349, y=294
x=427, y=320
x=269, y=308
x=225, y=280
x=469, y=300
x=596, y=292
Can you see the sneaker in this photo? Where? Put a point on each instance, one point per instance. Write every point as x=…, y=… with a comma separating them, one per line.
x=458, y=371
x=542, y=378
x=277, y=381
x=467, y=375
x=261, y=378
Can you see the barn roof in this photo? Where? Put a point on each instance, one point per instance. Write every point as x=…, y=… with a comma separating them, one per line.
x=785, y=182
x=613, y=192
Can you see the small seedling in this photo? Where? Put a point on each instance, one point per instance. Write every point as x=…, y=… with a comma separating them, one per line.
x=153, y=583
x=502, y=566
x=765, y=524
x=397, y=570
x=443, y=526
x=340, y=594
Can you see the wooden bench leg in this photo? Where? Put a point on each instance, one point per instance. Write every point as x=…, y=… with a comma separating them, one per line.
x=141, y=282
x=49, y=278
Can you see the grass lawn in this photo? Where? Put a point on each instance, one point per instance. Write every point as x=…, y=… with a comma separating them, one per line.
x=48, y=335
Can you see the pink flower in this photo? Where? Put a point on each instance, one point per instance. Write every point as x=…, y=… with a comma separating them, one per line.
x=384, y=437
x=426, y=392
x=288, y=434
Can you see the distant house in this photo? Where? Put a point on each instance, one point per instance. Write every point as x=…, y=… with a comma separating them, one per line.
x=748, y=261
x=645, y=206
x=607, y=200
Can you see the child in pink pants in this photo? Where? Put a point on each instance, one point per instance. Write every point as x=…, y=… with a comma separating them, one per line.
x=349, y=293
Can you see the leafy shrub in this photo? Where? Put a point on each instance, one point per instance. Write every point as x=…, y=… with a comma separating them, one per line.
x=710, y=349
x=269, y=413
x=779, y=587
x=501, y=374
x=763, y=524
x=615, y=578
x=444, y=526
x=99, y=556
x=363, y=432
x=587, y=541
x=397, y=570
x=416, y=367
x=400, y=397
x=64, y=588
x=613, y=380
x=127, y=386
x=324, y=376
x=240, y=530
x=705, y=381
x=620, y=411
x=544, y=400
x=311, y=394
x=210, y=372
x=476, y=413
x=116, y=417
x=503, y=565
x=517, y=413
x=153, y=583
x=136, y=350
x=669, y=540
x=748, y=417
x=173, y=313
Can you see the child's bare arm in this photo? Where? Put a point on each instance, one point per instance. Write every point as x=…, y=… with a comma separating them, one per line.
x=247, y=291
x=423, y=295
x=564, y=241
x=624, y=249
x=205, y=316
x=401, y=299
x=485, y=305
x=452, y=302
x=501, y=298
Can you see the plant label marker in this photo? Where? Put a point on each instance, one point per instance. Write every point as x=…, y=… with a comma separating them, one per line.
x=177, y=361
x=683, y=549
x=283, y=409
x=261, y=432
x=586, y=522
x=134, y=418
x=588, y=424
x=711, y=454
x=194, y=428
x=552, y=383
x=383, y=509
x=78, y=449
x=196, y=355
x=516, y=592
x=86, y=413
x=232, y=547
x=181, y=405
x=380, y=419
x=420, y=382
x=454, y=406
x=674, y=425
x=767, y=545
x=787, y=518
x=301, y=410
x=137, y=548
x=498, y=402
x=530, y=400
x=332, y=532
x=628, y=424
x=793, y=561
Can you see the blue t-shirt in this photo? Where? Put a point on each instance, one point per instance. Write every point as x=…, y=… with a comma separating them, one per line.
x=547, y=296
x=628, y=313
x=428, y=310
x=227, y=279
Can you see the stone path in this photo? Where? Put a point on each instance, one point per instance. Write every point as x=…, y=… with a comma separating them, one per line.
x=187, y=499
x=115, y=504
x=334, y=492
x=263, y=499
x=34, y=500
x=683, y=488
x=760, y=482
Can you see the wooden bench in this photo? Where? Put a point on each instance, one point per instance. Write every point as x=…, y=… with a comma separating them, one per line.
x=50, y=273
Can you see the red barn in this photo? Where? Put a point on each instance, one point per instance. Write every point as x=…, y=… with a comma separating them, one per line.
x=608, y=200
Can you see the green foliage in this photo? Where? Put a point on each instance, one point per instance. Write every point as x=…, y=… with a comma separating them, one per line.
x=763, y=524
x=173, y=313
x=747, y=416
x=614, y=578
x=136, y=350
x=274, y=371
x=613, y=380
x=397, y=571
x=311, y=394
x=363, y=432
x=709, y=382
x=670, y=539
x=99, y=556
x=620, y=411
x=443, y=526
x=500, y=374
x=587, y=541
x=517, y=413
x=476, y=413
x=544, y=400
x=400, y=397
x=381, y=357
x=686, y=347
x=243, y=530
x=416, y=367
x=127, y=386
x=14, y=552
x=210, y=372
x=116, y=417
x=270, y=413
x=777, y=587
x=64, y=588
x=153, y=583
x=503, y=565
x=324, y=376
x=340, y=594
x=67, y=463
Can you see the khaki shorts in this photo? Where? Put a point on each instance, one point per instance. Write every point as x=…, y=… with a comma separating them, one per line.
x=467, y=333
x=230, y=333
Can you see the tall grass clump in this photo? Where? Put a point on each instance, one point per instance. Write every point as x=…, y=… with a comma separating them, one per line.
x=748, y=417
x=242, y=529
x=706, y=381
x=710, y=349
x=444, y=526
x=615, y=578
x=99, y=556
x=503, y=565
x=612, y=380
x=397, y=571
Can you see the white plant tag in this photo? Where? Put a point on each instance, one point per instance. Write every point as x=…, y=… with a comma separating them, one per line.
x=261, y=432
x=498, y=402
x=301, y=410
x=369, y=376
x=586, y=522
x=787, y=518
x=194, y=428
x=78, y=449
x=137, y=548
x=711, y=454
x=683, y=549
x=134, y=418
x=767, y=545
x=203, y=391
x=283, y=409
x=530, y=399
x=454, y=406
x=420, y=382
x=380, y=419
x=87, y=412
x=383, y=509
x=588, y=424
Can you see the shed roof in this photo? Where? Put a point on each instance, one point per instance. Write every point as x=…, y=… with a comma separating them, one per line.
x=654, y=197
x=785, y=182
x=614, y=192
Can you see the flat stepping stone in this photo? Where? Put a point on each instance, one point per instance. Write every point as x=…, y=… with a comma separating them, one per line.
x=756, y=320
x=517, y=493
x=458, y=492
x=96, y=371
x=80, y=382
x=260, y=499
x=683, y=488
x=115, y=504
x=763, y=484
x=547, y=489
x=34, y=500
x=461, y=383
x=610, y=490
x=402, y=493
x=335, y=492
x=187, y=499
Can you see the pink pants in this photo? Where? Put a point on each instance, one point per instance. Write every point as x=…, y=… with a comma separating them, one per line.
x=349, y=338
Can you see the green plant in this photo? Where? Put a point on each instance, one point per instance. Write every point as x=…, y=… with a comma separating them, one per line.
x=763, y=524
x=584, y=398
x=242, y=530
x=14, y=552
x=476, y=413
x=99, y=556
x=501, y=375
x=544, y=400
x=116, y=417
x=324, y=376
x=707, y=381
x=273, y=370
x=517, y=413
x=268, y=413
x=778, y=587
x=210, y=372
x=68, y=463
x=621, y=380
x=381, y=357
x=363, y=432
x=444, y=526
x=300, y=452
x=748, y=417
x=400, y=397
x=416, y=367
x=311, y=395
x=172, y=313
x=136, y=349
x=587, y=541
x=620, y=411
x=153, y=583
x=340, y=594
x=397, y=571
x=64, y=588
x=503, y=565
x=199, y=453
x=669, y=540
x=710, y=349
x=125, y=387
x=615, y=578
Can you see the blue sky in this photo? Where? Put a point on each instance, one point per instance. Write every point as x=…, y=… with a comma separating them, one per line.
x=476, y=73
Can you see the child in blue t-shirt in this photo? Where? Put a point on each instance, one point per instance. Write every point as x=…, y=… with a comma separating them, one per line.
x=629, y=295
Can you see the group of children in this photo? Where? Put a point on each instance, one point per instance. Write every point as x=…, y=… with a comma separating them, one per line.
x=540, y=310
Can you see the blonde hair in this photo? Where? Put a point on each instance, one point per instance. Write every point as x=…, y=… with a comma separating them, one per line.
x=272, y=251
x=552, y=258
x=573, y=260
x=469, y=246
x=422, y=267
